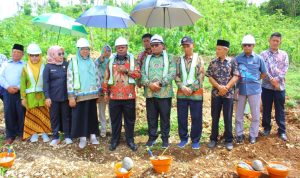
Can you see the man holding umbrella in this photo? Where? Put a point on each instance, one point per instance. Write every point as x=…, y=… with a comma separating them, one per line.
x=119, y=86
x=158, y=72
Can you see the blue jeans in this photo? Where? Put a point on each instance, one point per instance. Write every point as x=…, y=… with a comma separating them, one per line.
x=195, y=106
x=269, y=97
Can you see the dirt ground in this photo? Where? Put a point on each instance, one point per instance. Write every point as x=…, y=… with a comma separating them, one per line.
x=41, y=160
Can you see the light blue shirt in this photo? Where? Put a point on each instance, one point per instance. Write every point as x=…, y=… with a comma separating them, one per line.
x=10, y=73
x=250, y=68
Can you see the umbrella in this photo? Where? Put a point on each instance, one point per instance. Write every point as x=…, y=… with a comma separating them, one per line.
x=164, y=13
x=60, y=23
x=105, y=17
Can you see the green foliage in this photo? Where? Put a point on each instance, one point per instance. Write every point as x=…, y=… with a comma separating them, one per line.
x=290, y=7
x=27, y=9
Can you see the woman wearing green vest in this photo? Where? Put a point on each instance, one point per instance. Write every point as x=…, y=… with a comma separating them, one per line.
x=37, y=118
x=83, y=90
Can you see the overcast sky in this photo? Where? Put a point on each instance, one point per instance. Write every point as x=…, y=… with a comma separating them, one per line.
x=9, y=8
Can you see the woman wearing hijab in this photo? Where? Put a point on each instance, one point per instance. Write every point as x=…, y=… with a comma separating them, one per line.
x=37, y=118
x=55, y=90
x=83, y=90
x=101, y=63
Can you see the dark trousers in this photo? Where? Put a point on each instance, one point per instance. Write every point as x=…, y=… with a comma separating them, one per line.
x=269, y=97
x=84, y=119
x=158, y=107
x=217, y=103
x=14, y=115
x=195, y=106
x=117, y=109
x=60, y=118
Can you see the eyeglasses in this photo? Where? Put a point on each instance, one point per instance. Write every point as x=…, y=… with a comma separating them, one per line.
x=34, y=55
x=247, y=45
x=61, y=54
x=154, y=45
x=87, y=49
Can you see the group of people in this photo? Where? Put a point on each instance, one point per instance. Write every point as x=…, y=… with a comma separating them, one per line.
x=59, y=96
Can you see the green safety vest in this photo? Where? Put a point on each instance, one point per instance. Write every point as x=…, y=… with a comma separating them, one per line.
x=112, y=60
x=75, y=74
x=35, y=86
x=189, y=79
x=166, y=64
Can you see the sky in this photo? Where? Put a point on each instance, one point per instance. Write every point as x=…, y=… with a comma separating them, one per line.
x=9, y=8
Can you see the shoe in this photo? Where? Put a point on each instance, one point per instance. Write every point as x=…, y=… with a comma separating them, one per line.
x=240, y=139
x=103, y=134
x=9, y=141
x=45, y=138
x=195, y=145
x=212, y=144
x=283, y=137
x=252, y=140
x=182, y=144
x=113, y=146
x=34, y=138
x=229, y=146
x=82, y=142
x=93, y=139
x=150, y=143
x=266, y=133
x=54, y=142
x=68, y=141
x=132, y=146
x=165, y=144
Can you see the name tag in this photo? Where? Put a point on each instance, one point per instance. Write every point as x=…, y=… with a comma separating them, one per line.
x=53, y=70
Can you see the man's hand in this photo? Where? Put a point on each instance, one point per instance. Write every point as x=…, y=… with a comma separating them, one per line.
x=72, y=103
x=187, y=91
x=222, y=90
x=154, y=87
x=48, y=102
x=275, y=84
x=24, y=102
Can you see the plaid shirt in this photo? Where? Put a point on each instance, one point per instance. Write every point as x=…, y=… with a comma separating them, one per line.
x=222, y=72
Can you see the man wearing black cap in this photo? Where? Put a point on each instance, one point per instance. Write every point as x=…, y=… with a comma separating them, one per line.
x=189, y=79
x=10, y=75
x=223, y=73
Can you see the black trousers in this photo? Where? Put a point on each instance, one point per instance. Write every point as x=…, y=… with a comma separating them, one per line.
x=117, y=109
x=60, y=118
x=158, y=107
x=84, y=119
x=217, y=103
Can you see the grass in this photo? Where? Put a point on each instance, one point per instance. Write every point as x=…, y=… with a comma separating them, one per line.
x=293, y=86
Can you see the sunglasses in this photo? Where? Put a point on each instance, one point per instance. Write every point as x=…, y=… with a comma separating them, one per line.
x=154, y=45
x=61, y=54
x=34, y=55
x=247, y=45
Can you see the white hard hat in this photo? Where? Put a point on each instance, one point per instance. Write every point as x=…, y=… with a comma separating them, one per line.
x=156, y=39
x=248, y=39
x=121, y=41
x=34, y=49
x=82, y=42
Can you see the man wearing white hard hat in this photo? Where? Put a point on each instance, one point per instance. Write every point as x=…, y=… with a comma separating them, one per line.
x=10, y=74
x=119, y=88
x=37, y=117
x=158, y=72
x=252, y=69
x=83, y=85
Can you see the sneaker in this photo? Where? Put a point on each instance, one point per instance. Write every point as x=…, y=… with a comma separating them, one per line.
x=229, y=146
x=82, y=142
x=93, y=139
x=266, y=133
x=54, y=142
x=34, y=138
x=45, y=138
x=212, y=144
x=195, y=145
x=252, y=140
x=103, y=134
x=68, y=141
x=240, y=139
x=182, y=144
x=150, y=143
x=283, y=137
x=165, y=144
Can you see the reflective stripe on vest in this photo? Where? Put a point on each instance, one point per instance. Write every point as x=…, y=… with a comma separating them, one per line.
x=166, y=64
x=189, y=79
x=35, y=87
x=112, y=60
x=75, y=74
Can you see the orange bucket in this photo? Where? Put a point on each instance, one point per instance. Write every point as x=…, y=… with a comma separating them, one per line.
x=161, y=165
x=8, y=162
x=246, y=173
x=119, y=174
x=276, y=173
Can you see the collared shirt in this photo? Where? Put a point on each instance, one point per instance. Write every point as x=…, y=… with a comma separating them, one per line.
x=121, y=88
x=277, y=65
x=141, y=57
x=155, y=74
x=197, y=86
x=222, y=73
x=250, y=67
x=2, y=59
x=10, y=73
